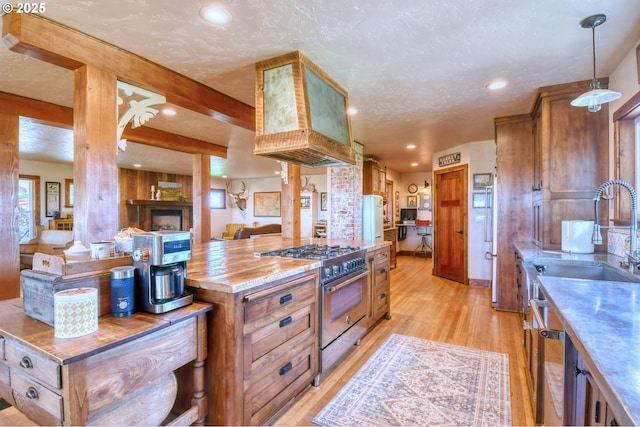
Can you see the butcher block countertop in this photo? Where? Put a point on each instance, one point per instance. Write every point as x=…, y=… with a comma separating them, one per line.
x=235, y=265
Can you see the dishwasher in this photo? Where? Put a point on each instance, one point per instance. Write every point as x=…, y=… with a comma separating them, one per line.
x=552, y=357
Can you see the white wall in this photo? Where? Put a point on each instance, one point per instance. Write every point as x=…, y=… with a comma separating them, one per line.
x=232, y=214
x=481, y=158
x=48, y=172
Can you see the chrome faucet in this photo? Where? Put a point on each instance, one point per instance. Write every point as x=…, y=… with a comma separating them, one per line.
x=632, y=255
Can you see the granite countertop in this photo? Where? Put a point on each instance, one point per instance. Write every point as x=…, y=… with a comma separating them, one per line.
x=235, y=265
x=602, y=318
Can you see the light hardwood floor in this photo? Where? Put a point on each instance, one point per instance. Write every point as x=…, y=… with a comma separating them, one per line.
x=436, y=309
x=421, y=306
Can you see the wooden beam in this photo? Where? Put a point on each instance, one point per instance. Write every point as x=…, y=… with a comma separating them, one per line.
x=45, y=112
x=57, y=115
x=54, y=43
x=201, y=188
x=290, y=203
x=10, y=248
x=95, y=171
x=170, y=141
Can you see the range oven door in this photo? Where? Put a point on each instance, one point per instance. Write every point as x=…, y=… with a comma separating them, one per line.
x=344, y=303
x=551, y=355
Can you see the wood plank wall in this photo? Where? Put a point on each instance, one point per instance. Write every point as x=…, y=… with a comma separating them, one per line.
x=136, y=185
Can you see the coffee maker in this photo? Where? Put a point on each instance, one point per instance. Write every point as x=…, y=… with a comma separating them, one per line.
x=160, y=259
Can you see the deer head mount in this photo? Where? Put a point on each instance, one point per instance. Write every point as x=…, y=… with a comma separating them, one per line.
x=239, y=198
x=308, y=185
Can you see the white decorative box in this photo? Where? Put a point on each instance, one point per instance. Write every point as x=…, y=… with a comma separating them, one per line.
x=76, y=312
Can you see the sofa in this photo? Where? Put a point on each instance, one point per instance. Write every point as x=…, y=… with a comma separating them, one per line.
x=249, y=232
x=52, y=242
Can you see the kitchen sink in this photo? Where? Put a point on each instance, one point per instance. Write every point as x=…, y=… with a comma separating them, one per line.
x=587, y=272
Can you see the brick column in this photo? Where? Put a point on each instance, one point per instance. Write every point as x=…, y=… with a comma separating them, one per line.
x=345, y=207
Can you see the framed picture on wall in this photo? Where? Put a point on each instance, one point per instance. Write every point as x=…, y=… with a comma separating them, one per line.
x=52, y=198
x=412, y=201
x=481, y=200
x=266, y=204
x=323, y=201
x=481, y=180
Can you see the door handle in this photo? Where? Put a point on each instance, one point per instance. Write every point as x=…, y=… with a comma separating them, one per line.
x=460, y=231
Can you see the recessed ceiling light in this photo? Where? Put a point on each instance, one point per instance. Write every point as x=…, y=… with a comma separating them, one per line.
x=352, y=111
x=137, y=165
x=215, y=14
x=224, y=176
x=168, y=112
x=411, y=146
x=277, y=172
x=414, y=164
x=499, y=84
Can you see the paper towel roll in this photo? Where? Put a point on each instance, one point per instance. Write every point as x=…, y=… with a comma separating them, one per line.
x=576, y=236
x=75, y=312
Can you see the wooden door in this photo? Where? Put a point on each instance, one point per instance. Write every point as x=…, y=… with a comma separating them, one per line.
x=450, y=225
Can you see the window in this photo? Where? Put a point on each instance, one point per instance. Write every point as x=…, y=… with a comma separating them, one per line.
x=627, y=133
x=28, y=206
x=217, y=198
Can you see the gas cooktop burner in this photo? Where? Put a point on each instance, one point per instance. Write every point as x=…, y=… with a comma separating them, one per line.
x=313, y=251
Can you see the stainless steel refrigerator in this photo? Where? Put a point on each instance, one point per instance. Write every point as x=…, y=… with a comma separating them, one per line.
x=372, y=218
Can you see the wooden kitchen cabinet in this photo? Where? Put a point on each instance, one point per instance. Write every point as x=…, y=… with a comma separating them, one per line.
x=266, y=348
x=391, y=235
x=514, y=170
x=374, y=178
x=60, y=224
x=571, y=160
x=380, y=284
x=89, y=379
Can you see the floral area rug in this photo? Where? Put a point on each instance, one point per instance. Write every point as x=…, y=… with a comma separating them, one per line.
x=415, y=382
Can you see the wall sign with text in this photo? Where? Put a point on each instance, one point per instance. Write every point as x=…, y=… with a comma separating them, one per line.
x=449, y=159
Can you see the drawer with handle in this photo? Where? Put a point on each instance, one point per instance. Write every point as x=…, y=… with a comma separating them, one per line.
x=276, y=301
x=36, y=401
x=21, y=359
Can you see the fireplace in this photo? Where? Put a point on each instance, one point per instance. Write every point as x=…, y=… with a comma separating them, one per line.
x=166, y=219
x=153, y=215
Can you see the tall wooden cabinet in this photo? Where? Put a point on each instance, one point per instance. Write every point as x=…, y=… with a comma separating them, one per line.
x=514, y=169
x=571, y=159
x=374, y=178
x=549, y=164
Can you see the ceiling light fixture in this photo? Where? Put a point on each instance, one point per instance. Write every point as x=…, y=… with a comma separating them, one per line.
x=596, y=96
x=414, y=164
x=352, y=111
x=168, y=112
x=214, y=14
x=497, y=85
x=411, y=146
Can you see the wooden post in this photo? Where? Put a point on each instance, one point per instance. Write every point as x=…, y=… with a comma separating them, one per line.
x=290, y=203
x=10, y=248
x=201, y=186
x=95, y=172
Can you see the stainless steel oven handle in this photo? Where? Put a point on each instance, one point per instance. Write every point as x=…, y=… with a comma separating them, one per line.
x=330, y=289
x=542, y=328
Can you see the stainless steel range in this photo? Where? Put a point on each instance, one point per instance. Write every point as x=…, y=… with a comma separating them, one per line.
x=344, y=297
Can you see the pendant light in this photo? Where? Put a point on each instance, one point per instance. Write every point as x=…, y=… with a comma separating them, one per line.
x=596, y=96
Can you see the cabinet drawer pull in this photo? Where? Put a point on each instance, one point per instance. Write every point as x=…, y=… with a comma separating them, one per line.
x=383, y=296
x=26, y=363
x=286, y=321
x=383, y=270
x=285, y=299
x=32, y=393
x=286, y=368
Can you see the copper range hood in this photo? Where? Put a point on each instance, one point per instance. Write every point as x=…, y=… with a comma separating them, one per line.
x=301, y=114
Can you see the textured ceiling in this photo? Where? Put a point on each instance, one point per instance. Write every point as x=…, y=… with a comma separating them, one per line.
x=417, y=70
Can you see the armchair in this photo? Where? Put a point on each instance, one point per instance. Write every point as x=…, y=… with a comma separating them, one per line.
x=230, y=231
